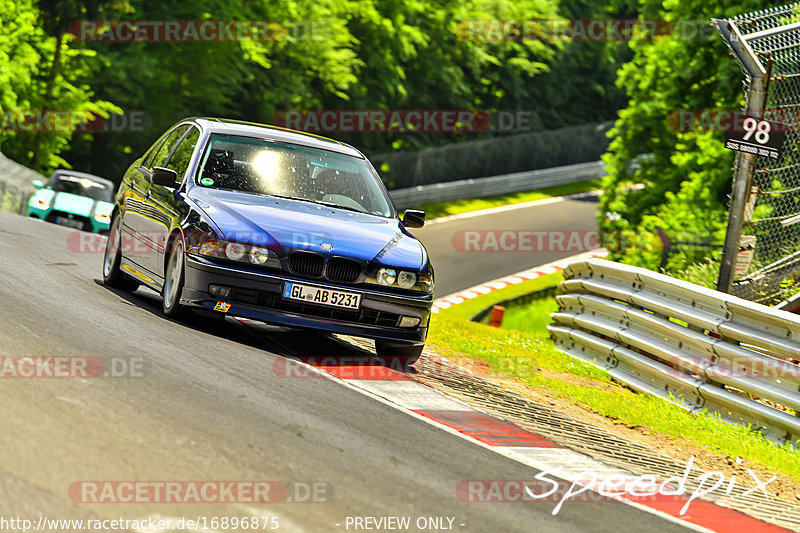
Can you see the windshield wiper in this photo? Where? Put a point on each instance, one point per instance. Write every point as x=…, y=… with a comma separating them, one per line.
x=337, y=206
x=318, y=202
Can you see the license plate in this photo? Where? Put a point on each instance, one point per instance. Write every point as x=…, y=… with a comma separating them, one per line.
x=318, y=295
x=69, y=222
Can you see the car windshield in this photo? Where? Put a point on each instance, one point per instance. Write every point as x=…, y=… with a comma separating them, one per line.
x=81, y=187
x=265, y=167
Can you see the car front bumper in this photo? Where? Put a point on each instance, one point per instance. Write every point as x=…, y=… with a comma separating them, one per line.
x=258, y=295
x=89, y=223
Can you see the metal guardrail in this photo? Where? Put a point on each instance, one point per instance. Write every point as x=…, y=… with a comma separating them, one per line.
x=508, y=183
x=15, y=185
x=700, y=348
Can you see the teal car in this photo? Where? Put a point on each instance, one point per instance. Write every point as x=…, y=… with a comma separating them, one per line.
x=74, y=199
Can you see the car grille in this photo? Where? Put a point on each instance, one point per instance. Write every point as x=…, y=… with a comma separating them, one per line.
x=275, y=301
x=342, y=270
x=87, y=224
x=306, y=263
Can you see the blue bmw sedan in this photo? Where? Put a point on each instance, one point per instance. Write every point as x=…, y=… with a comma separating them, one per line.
x=273, y=225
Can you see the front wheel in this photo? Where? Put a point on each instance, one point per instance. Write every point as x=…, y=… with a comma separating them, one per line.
x=112, y=274
x=173, y=280
x=403, y=354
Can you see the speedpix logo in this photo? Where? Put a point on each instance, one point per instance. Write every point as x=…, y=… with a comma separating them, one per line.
x=589, y=486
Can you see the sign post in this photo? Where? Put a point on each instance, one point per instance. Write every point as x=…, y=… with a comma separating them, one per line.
x=746, y=161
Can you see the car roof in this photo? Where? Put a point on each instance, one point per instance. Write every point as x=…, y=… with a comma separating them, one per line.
x=275, y=133
x=84, y=175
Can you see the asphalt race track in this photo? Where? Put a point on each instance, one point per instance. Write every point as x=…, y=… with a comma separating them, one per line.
x=207, y=404
x=457, y=269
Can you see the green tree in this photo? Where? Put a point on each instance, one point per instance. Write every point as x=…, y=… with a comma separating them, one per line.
x=40, y=73
x=686, y=173
x=580, y=86
x=336, y=54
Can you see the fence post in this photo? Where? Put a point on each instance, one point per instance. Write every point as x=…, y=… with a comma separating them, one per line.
x=745, y=163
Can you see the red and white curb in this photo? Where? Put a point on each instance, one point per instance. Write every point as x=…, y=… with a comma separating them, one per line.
x=403, y=392
x=501, y=283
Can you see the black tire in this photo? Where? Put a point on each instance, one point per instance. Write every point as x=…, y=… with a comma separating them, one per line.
x=398, y=354
x=112, y=258
x=173, y=281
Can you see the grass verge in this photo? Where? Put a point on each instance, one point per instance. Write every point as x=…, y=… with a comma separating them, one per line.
x=440, y=209
x=531, y=317
x=469, y=308
x=528, y=356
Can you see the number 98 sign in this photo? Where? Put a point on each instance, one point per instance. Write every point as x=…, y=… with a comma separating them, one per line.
x=755, y=136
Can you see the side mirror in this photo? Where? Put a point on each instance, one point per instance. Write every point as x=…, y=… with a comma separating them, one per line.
x=164, y=177
x=37, y=183
x=414, y=219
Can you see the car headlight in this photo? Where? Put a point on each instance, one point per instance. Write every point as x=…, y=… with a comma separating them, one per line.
x=406, y=280
x=402, y=279
x=242, y=253
x=40, y=203
x=259, y=256
x=386, y=276
x=235, y=251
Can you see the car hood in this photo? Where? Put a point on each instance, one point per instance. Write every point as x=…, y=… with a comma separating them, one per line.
x=292, y=224
x=73, y=203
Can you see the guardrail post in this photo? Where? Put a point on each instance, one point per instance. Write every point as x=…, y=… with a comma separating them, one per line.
x=745, y=163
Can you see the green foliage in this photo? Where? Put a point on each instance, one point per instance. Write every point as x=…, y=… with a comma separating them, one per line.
x=534, y=316
x=686, y=174
x=703, y=273
x=28, y=82
x=336, y=54
x=579, y=86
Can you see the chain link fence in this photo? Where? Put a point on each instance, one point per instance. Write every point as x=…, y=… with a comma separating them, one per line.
x=769, y=232
x=15, y=185
x=493, y=156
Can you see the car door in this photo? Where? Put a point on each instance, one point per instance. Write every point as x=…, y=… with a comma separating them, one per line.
x=139, y=212
x=166, y=203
